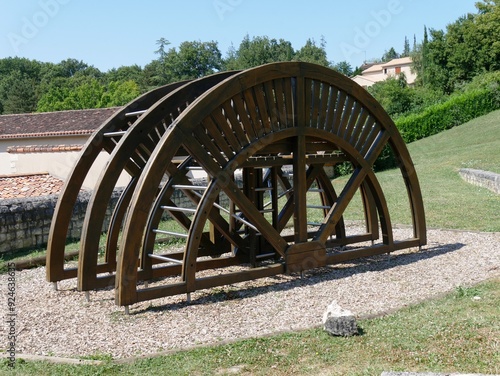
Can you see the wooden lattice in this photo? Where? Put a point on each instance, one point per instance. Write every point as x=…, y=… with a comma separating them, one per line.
x=277, y=128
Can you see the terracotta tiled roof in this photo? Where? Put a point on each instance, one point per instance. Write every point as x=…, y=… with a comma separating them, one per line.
x=42, y=149
x=60, y=123
x=16, y=186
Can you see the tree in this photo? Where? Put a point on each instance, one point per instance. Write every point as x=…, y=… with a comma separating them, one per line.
x=193, y=60
x=345, y=68
x=119, y=93
x=312, y=53
x=406, y=48
x=161, y=75
x=257, y=51
x=393, y=94
x=21, y=96
x=389, y=55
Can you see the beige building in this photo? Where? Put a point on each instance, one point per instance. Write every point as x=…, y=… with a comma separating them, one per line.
x=50, y=143
x=381, y=72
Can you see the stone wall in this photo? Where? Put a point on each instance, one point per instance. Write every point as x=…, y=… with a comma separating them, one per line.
x=25, y=222
x=481, y=178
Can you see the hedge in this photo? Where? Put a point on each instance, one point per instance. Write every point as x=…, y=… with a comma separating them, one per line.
x=457, y=110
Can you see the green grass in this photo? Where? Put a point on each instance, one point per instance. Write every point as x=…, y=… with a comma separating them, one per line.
x=457, y=333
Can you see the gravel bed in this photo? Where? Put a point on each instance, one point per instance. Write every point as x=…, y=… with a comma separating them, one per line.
x=62, y=323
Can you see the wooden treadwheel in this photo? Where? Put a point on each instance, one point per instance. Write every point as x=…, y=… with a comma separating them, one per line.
x=263, y=139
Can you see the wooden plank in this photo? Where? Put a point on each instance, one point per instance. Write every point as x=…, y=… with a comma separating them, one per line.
x=304, y=256
x=251, y=110
x=235, y=124
x=372, y=136
x=211, y=150
x=227, y=131
x=289, y=93
x=339, y=111
x=244, y=117
x=316, y=104
x=353, y=120
x=358, y=128
x=377, y=249
x=305, y=101
x=261, y=109
x=218, y=138
x=367, y=128
x=280, y=103
x=300, y=190
x=332, y=109
x=346, y=116
x=324, y=103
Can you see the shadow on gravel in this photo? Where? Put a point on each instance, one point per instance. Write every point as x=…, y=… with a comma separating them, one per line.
x=311, y=277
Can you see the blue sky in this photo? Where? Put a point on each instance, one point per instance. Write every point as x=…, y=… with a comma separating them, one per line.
x=109, y=34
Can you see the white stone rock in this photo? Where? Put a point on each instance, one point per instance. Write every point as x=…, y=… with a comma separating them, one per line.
x=338, y=321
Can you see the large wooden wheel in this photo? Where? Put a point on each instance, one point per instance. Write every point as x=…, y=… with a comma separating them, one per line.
x=264, y=139
x=104, y=140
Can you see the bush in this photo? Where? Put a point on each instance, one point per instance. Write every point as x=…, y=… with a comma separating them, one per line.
x=457, y=110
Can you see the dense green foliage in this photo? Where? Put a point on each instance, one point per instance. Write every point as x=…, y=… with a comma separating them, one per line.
x=445, y=61
x=29, y=85
x=457, y=110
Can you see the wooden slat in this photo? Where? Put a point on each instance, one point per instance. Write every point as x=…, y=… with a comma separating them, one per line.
x=339, y=112
x=264, y=115
x=353, y=119
x=240, y=109
x=235, y=124
x=289, y=92
x=280, y=103
x=216, y=140
x=211, y=147
x=346, y=116
x=324, y=103
x=367, y=129
x=272, y=108
x=300, y=190
x=317, y=101
x=306, y=102
x=251, y=110
x=227, y=130
x=358, y=128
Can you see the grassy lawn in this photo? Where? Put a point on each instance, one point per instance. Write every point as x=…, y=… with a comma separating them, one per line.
x=458, y=333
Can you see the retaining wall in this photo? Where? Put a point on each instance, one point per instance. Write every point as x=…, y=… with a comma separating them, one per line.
x=485, y=179
x=25, y=222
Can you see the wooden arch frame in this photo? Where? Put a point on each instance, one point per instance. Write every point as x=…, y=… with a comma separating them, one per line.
x=255, y=122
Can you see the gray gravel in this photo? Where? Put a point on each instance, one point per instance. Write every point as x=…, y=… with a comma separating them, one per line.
x=63, y=323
